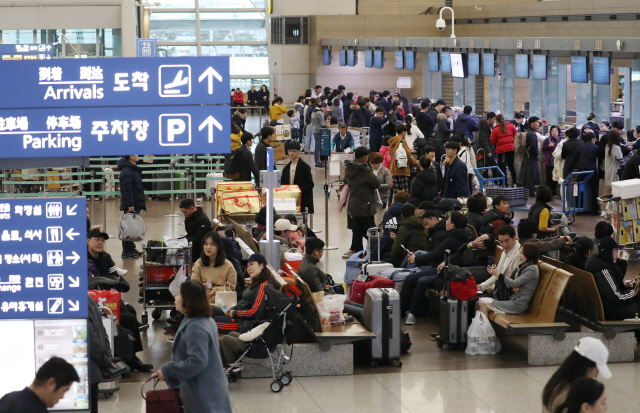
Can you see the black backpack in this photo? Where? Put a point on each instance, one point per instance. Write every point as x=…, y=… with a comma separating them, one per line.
x=231, y=167
x=156, y=255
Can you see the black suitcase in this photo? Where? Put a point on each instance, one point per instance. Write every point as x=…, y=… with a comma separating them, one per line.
x=161, y=186
x=453, y=315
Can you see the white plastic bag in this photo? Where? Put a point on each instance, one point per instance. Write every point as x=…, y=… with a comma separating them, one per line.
x=334, y=303
x=481, y=338
x=325, y=315
x=181, y=276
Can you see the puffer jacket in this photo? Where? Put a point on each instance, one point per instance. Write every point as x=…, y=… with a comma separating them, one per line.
x=317, y=120
x=618, y=301
x=489, y=217
x=452, y=241
x=466, y=124
x=386, y=157
x=411, y=235
x=131, y=186
x=503, y=141
x=425, y=185
x=362, y=185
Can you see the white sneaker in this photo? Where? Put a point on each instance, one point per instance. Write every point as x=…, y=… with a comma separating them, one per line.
x=348, y=254
x=411, y=319
x=121, y=271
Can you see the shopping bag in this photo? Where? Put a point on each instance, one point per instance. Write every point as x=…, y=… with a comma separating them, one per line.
x=181, y=276
x=161, y=401
x=226, y=299
x=481, y=338
x=108, y=298
x=335, y=305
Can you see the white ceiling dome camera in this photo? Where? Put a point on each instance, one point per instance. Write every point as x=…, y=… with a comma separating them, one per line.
x=440, y=24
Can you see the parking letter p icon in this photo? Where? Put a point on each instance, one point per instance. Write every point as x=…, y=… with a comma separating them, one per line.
x=175, y=129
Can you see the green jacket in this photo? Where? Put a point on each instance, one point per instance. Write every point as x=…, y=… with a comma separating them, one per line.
x=312, y=275
x=411, y=235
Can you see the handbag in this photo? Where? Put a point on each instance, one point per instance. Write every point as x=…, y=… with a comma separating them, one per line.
x=131, y=227
x=501, y=291
x=161, y=401
x=226, y=299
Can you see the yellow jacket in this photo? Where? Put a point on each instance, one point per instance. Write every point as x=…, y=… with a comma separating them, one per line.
x=235, y=141
x=276, y=112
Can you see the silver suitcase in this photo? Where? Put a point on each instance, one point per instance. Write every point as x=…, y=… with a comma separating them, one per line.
x=382, y=317
x=374, y=267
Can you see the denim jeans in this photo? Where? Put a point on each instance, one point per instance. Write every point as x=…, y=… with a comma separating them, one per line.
x=405, y=262
x=316, y=152
x=310, y=142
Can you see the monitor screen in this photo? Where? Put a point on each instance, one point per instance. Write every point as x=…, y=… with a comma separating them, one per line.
x=326, y=56
x=378, y=60
x=434, y=62
x=446, y=62
x=352, y=57
x=540, y=66
x=489, y=64
x=368, y=58
x=410, y=60
x=579, y=69
x=33, y=343
x=343, y=57
x=522, y=66
x=459, y=65
x=398, y=59
x=601, y=71
x=473, y=62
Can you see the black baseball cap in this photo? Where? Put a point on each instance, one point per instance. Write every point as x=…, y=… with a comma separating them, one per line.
x=607, y=244
x=259, y=258
x=97, y=233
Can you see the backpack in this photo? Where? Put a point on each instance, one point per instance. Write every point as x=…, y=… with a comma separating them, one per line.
x=401, y=156
x=131, y=227
x=520, y=143
x=231, y=169
x=156, y=255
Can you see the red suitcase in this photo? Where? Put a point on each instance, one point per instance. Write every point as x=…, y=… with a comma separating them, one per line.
x=359, y=288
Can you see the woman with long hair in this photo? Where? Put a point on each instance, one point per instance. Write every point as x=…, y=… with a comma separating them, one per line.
x=549, y=145
x=586, y=395
x=613, y=160
x=263, y=96
x=213, y=269
x=413, y=132
x=502, y=137
x=277, y=109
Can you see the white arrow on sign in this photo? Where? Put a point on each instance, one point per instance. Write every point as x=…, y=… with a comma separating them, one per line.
x=72, y=234
x=210, y=122
x=210, y=73
x=74, y=305
x=71, y=211
x=75, y=282
x=75, y=257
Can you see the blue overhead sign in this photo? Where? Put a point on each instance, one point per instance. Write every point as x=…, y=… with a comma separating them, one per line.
x=147, y=47
x=43, y=258
x=35, y=51
x=115, y=82
x=160, y=130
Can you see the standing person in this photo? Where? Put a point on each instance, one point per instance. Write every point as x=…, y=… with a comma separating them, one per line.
x=298, y=172
x=520, y=124
x=502, y=137
x=318, y=122
x=253, y=97
x=436, y=108
x=240, y=118
x=529, y=173
x=425, y=122
x=383, y=175
x=425, y=185
x=384, y=102
x=361, y=114
x=294, y=121
x=631, y=169
x=238, y=98
x=595, y=128
x=569, y=148
x=310, y=142
x=317, y=92
x=263, y=96
x=399, y=173
x=549, y=145
x=588, y=359
x=362, y=197
x=375, y=129
x=196, y=223
x=455, y=181
x=132, y=199
x=586, y=395
x=413, y=133
x=586, y=159
x=394, y=117
x=613, y=160
x=236, y=136
x=196, y=367
x=242, y=163
x=267, y=135
x=347, y=104
x=53, y=379
x=442, y=131
x=484, y=143
x=277, y=109
x=212, y=267
x=467, y=156
x=336, y=110
x=466, y=123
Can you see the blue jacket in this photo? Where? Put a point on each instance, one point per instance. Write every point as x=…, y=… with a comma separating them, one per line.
x=375, y=128
x=384, y=102
x=467, y=124
x=456, y=181
x=339, y=145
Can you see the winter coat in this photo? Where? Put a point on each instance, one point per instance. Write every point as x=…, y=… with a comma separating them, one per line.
x=386, y=157
x=425, y=185
x=425, y=124
x=631, y=168
x=618, y=301
x=569, y=148
x=246, y=164
x=312, y=275
x=261, y=155
x=490, y=217
x=386, y=182
x=558, y=162
x=131, y=186
x=443, y=132
x=503, y=141
x=317, y=120
x=585, y=158
x=362, y=116
x=262, y=94
x=339, y=144
x=99, y=347
x=526, y=278
x=384, y=102
x=452, y=241
x=196, y=365
x=197, y=225
x=238, y=97
x=474, y=219
x=394, y=144
x=348, y=103
x=337, y=112
x=253, y=97
x=456, y=181
x=304, y=179
x=612, y=162
x=484, y=137
x=362, y=185
x=467, y=156
x=411, y=235
x=466, y=124
x=239, y=120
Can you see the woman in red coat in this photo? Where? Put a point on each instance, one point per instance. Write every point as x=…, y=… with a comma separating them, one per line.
x=502, y=137
x=238, y=98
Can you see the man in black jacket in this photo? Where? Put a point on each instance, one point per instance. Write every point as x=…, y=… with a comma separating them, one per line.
x=569, y=148
x=632, y=167
x=586, y=159
x=252, y=97
x=242, y=164
x=267, y=135
x=197, y=224
x=131, y=196
x=457, y=235
x=425, y=122
x=298, y=172
x=496, y=217
x=436, y=108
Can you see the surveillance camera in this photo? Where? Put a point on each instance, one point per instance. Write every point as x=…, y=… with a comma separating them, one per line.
x=440, y=24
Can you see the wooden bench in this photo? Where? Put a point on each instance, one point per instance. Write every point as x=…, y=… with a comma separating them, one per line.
x=245, y=236
x=540, y=318
x=581, y=303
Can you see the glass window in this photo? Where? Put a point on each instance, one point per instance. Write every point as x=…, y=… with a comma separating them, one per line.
x=232, y=4
x=245, y=60
x=175, y=4
x=172, y=51
x=245, y=83
x=173, y=27
x=234, y=27
x=81, y=36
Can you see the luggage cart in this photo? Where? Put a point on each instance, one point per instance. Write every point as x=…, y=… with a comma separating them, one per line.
x=575, y=190
x=498, y=179
x=161, y=264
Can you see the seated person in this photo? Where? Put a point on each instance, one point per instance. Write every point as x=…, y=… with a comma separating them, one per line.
x=411, y=236
x=342, y=141
x=496, y=217
x=540, y=212
x=522, y=284
x=213, y=269
x=249, y=309
x=295, y=236
x=509, y=257
x=196, y=223
x=282, y=228
x=444, y=205
x=617, y=294
x=583, y=248
x=476, y=207
x=603, y=230
x=100, y=265
x=390, y=221
x=527, y=230
x=457, y=235
x=425, y=206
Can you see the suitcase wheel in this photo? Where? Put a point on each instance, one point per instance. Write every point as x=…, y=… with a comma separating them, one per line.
x=373, y=364
x=397, y=363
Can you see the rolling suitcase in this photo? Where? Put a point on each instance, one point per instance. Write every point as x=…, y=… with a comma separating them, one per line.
x=453, y=315
x=162, y=185
x=363, y=283
x=374, y=267
x=382, y=317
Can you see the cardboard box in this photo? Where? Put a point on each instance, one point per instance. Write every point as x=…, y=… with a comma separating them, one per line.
x=230, y=186
x=629, y=209
x=626, y=189
x=283, y=132
x=279, y=153
x=636, y=230
x=614, y=224
x=285, y=191
x=626, y=232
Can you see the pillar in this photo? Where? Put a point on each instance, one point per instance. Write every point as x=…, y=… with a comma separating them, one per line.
x=437, y=86
x=584, y=102
x=494, y=93
x=128, y=30
x=551, y=95
x=427, y=89
x=508, y=86
x=626, y=92
x=535, y=97
x=470, y=92
x=562, y=91
x=634, y=110
x=458, y=92
x=601, y=102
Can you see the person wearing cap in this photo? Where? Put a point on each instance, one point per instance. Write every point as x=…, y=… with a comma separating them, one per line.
x=100, y=262
x=281, y=230
x=530, y=171
x=588, y=359
x=342, y=140
x=298, y=172
x=617, y=294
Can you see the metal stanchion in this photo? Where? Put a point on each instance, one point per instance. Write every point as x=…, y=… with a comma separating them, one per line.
x=104, y=205
x=93, y=187
x=172, y=167
x=327, y=192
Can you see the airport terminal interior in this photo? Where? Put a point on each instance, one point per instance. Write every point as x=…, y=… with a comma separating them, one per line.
x=486, y=88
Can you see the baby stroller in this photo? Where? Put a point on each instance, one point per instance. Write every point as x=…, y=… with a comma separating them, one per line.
x=277, y=327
